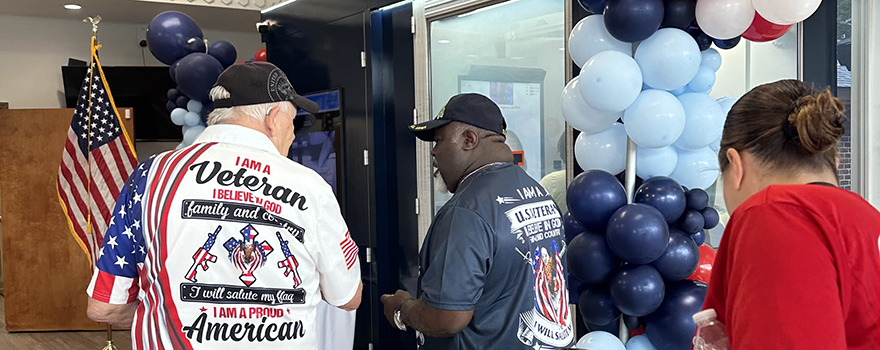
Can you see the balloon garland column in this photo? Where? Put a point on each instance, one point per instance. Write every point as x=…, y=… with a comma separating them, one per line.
x=638, y=259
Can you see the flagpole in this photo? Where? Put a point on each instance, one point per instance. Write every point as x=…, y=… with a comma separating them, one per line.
x=94, y=47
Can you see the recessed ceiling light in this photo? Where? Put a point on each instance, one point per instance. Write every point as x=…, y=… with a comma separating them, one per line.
x=72, y=7
x=443, y=41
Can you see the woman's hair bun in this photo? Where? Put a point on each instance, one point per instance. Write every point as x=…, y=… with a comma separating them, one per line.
x=818, y=120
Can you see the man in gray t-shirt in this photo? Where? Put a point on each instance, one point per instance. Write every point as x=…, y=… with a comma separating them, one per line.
x=491, y=271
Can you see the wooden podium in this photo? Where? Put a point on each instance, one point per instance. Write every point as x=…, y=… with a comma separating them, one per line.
x=45, y=272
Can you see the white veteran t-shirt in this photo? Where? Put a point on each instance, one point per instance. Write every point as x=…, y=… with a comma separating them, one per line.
x=227, y=244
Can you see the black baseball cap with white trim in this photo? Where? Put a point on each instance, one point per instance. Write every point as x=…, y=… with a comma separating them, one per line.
x=253, y=83
x=472, y=109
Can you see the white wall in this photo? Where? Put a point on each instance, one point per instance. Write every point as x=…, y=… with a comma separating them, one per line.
x=751, y=64
x=33, y=50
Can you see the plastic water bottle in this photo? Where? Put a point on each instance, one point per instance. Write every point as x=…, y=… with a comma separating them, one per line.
x=711, y=334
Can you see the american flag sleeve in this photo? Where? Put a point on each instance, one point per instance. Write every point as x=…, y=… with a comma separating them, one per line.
x=335, y=252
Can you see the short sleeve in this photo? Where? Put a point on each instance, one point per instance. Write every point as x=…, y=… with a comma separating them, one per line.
x=115, y=278
x=785, y=286
x=334, y=251
x=458, y=261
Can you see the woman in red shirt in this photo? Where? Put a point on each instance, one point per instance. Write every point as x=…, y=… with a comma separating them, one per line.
x=798, y=266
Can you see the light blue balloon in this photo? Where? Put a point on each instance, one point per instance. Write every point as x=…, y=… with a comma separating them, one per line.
x=590, y=37
x=651, y=162
x=680, y=91
x=696, y=169
x=192, y=134
x=177, y=116
x=194, y=106
x=580, y=115
x=655, y=119
x=669, y=59
x=726, y=104
x=192, y=119
x=703, y=81
x=600, y=340
x=610, y=81
x=704, y=121
x=180, y=145
x=605, y=150
x=711, y=59
x=716, y=145
x=639, y=342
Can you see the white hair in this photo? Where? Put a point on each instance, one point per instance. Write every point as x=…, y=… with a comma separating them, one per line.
x=258, y=112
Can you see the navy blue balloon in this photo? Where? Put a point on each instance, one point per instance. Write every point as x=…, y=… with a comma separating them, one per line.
x=680, y=259
x=575, y=286
x=224, y=52
x=671, y=326
x=678, y=13
x=572, y=227
x=170, y=106
x=173, y=94
x=699, y=237
x=691, y=221
x=196, y=75
x=593, y=196
x=637, y=290
x=594, y=6
x=727, y=44
x=590, y=259
x=665, y=195
x=613, y=327
x=631, y=322
x=172, y=71
x=597, y=307
x=637, y=233
x=703, y=40
x=193, y=45
x=181, y=101
x=633, y=20
x=167, y=34
x=697, y=199
x=710, y=217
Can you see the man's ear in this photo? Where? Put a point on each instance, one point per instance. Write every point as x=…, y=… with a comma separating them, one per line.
x=272, y=121
x=470, y=139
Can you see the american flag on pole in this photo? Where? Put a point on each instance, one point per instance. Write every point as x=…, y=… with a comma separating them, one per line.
x=98, y=158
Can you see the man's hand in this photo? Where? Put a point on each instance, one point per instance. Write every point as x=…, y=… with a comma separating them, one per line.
x=393, y=303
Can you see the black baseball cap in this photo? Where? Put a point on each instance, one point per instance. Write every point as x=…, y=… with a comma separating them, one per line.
x=471, y=109
x=253, y=83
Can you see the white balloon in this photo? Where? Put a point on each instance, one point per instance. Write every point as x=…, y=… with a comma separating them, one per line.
x=696, y=169
x=725, y=19
x=656, y=119
x=604, y=151
x=590, y=37
x=651, y=162
x=581, y=115
x=610, y=81
x=785, y=11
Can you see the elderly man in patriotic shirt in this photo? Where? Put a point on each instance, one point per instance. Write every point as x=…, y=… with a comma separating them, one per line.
x=227, y=244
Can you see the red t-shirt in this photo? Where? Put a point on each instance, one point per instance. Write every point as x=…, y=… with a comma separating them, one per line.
x=799, y=268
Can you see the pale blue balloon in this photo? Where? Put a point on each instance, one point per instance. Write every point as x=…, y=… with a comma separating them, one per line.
x=192, y=134
x=180, y=145
x=669, y=59
x=716, y=145
x=600, y=340
x=651, y=162
x=605, y=150
x=178, y=115
x=194, y=106
x=590, y=37
x=727, y=103
x=655, y=119
x=704, y=121
x=703, y=81
x=696, y=169
x=639, y=342
x=192, y=119
x=610, y=81
x=680, y=91
x=580, y=115
x=711, y=59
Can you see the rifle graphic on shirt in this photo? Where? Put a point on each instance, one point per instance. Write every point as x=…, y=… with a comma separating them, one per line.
x=203, y=256
x=289, y=264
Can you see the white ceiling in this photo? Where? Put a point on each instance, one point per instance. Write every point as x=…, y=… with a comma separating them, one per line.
x=139, y=12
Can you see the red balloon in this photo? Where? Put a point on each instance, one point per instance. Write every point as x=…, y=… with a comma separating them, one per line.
x=763, y=30
x=260, y=56
x=635, y=332
x=704, y=269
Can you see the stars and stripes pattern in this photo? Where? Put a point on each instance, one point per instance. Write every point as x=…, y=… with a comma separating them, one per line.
x=349, y=250
x=97, y=159
x=551, y=301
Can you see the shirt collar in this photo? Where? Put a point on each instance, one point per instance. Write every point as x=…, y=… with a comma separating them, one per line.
x=239, y=135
